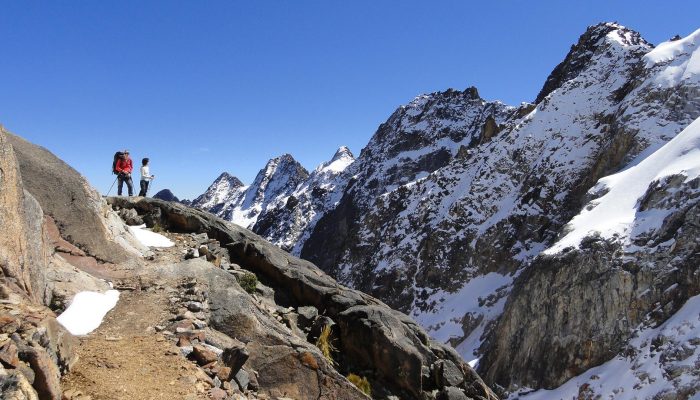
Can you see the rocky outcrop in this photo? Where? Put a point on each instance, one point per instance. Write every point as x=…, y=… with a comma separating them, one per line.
x=386, y=335
x=78, y=210
x=34, y=348
x=288, y=365
x=23, y=250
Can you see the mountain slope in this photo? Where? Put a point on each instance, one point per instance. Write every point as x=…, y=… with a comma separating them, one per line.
x=489, y=210
x=624, y=264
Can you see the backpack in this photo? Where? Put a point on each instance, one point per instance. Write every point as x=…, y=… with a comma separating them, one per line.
x=117, y=156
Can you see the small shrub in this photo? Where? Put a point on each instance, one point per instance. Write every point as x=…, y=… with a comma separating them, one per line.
x=361, y=383
x=157, y=228
x=248, y=282
x=324, y=343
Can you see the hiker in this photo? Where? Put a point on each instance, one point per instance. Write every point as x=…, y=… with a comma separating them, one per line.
x=146, y=177
x=123, y=168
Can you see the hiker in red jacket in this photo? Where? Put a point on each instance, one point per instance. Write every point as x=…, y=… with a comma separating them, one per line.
x=124, y=168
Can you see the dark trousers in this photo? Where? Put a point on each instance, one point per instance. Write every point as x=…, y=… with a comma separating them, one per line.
x=144, y=187
x=129, y=184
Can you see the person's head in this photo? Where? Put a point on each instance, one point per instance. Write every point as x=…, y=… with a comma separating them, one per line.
x=144, y=161
x=126, y=154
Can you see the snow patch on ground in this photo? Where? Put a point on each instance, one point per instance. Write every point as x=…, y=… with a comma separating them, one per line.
x=614, y=213
x=664, y=361
x=87, y=310
x=148, y=238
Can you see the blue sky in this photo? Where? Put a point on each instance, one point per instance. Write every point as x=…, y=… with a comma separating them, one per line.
x=206, y=87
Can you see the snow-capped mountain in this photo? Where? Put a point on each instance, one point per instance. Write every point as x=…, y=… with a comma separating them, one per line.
x=447, y=212
x=289, y=219
x=284, y=201
x=224, y=188
x=228, y=198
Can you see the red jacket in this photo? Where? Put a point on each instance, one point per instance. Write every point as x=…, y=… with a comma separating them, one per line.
x=124, y=166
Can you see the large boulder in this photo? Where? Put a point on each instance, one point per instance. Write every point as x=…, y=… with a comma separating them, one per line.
x=35, y=349
x=80, y=213
x=23, y=250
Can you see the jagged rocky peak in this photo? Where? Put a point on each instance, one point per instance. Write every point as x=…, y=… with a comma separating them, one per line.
x=582, y=52
x=218, y=192
x=228, y=179
x=342, y=158
x=343, y=152
x=279, y=173
x=166, y=195
x=426, y=119
x=424, y=135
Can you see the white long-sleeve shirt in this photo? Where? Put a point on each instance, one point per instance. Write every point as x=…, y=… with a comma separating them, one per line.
x=145, y=173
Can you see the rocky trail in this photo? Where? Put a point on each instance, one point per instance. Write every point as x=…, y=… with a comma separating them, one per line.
x=127, y=357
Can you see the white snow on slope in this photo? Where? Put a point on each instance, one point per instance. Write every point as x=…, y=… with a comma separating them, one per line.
x=680, y=68
x=445, y=321
x=614, y=213
x=664, y=362
x=87, y=310
x=148, y=238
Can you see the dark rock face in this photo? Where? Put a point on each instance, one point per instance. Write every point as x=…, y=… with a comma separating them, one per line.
x=371, y=333
x=67, y=197
x=166, y=195
x=242, y=341
x=591, y=300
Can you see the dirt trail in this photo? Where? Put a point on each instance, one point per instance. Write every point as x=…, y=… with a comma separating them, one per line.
x=125, y=358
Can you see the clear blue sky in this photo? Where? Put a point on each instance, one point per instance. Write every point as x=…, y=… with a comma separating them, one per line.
x=206, y=87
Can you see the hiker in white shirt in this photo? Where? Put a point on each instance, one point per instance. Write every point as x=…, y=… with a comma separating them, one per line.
x=146, y=177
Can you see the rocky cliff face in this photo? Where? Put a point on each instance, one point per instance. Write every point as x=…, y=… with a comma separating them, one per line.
x=34, y=349
x=78, y=210
x=626, y=265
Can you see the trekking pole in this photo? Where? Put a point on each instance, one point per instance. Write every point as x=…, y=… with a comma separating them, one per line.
x=110, y=188
x=148, y=188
